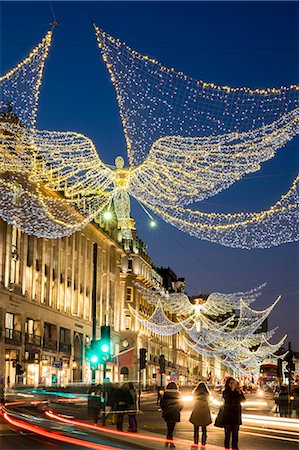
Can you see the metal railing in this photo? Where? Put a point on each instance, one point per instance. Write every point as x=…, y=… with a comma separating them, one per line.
x=13, y=335
x=33, y=339
x=50, y=344
x=64, y=347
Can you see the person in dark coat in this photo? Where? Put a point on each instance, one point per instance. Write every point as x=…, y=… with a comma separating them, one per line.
x=94, y=402
x=283, y=401
x=201, y=415
x=232, y=396
x=123, y=399
x=132, y=408
x=171, y=405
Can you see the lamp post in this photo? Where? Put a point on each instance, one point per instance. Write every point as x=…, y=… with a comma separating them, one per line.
x=94, y=304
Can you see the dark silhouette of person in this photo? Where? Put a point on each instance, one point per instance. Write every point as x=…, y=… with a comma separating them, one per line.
x=201, y=415
x=171, y=405
x=94, y=402
x=233, y=396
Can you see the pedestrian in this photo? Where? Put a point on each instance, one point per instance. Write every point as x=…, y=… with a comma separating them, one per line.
x=201, y=415
x=132, y=408
x=283, y=401
x=123, y=399
x=233, y=397
x=171, y=405
x=94, y=402
x=2, y=390
x=158, y=388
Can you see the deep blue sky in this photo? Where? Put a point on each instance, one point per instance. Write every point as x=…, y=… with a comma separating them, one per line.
x=233, y=43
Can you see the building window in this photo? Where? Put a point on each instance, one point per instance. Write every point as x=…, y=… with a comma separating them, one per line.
x=30, y=249
x=128, y=322
x=130, y=264
x=9, y=321
x=14, y=254
x=129, y=297
x=29, y=326
x=47, y=331
x=65, y=335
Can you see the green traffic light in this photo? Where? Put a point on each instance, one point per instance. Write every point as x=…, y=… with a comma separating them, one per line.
x=94, y=359
x=105, y=348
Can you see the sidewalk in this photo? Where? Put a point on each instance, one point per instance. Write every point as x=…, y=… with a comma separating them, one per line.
x=150, y=440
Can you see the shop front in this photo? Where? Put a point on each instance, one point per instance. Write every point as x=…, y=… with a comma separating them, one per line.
x=48, y=371
x=11, y=358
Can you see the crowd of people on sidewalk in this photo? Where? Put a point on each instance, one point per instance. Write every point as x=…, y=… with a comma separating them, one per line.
x=121, y=400
x=229, y=416
x=118, y=401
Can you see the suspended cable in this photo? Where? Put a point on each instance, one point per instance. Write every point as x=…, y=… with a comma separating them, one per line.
x=87, y=12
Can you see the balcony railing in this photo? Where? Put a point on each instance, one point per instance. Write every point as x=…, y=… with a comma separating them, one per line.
x=50, y=344
x=64, y=347
x=13, y=335
x=32, y=339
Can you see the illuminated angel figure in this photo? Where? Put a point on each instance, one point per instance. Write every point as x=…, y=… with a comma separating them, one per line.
x=121, y=199
x=234, y=340
x=186, y=140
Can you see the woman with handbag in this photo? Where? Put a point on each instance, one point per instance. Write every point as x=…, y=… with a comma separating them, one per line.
x=201, y=415
x=233, y=397
x=171, y=405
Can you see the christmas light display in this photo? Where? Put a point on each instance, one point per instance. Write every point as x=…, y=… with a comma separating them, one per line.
x=158, y=322
x=20, y=86
x=224, y=326
x=187, y=140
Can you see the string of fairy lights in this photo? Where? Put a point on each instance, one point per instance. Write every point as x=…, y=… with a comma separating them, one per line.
x=230, y=333
x=187, y=140
x=20, y=86
x=156, y=101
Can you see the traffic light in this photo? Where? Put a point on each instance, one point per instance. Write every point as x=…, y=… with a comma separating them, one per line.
x=19, y=369
x=290, y=361
x=92, y=354
x=142, y=358
x=162, y=363
x=105, y=344
x=291, y=366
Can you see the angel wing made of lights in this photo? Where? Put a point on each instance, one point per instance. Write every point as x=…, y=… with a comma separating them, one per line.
x=230, y=334
x=158, y=322
x=178, y=169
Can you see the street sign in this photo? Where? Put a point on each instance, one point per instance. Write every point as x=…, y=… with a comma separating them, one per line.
x=57, y=364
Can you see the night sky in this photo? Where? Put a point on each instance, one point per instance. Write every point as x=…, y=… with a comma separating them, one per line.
x=228, y=43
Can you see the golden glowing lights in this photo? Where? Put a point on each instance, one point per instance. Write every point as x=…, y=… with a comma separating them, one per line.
x=224, y=327
x=187, y=140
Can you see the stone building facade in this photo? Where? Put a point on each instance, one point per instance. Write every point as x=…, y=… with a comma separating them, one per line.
x=45, y=310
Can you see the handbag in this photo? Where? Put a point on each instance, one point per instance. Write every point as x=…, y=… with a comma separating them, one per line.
x=219, y=419
x=112, y=418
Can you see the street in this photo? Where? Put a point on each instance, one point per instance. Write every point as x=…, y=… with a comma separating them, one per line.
x=68, y=423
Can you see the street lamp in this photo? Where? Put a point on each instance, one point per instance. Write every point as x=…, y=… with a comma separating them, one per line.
x=107, y=215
